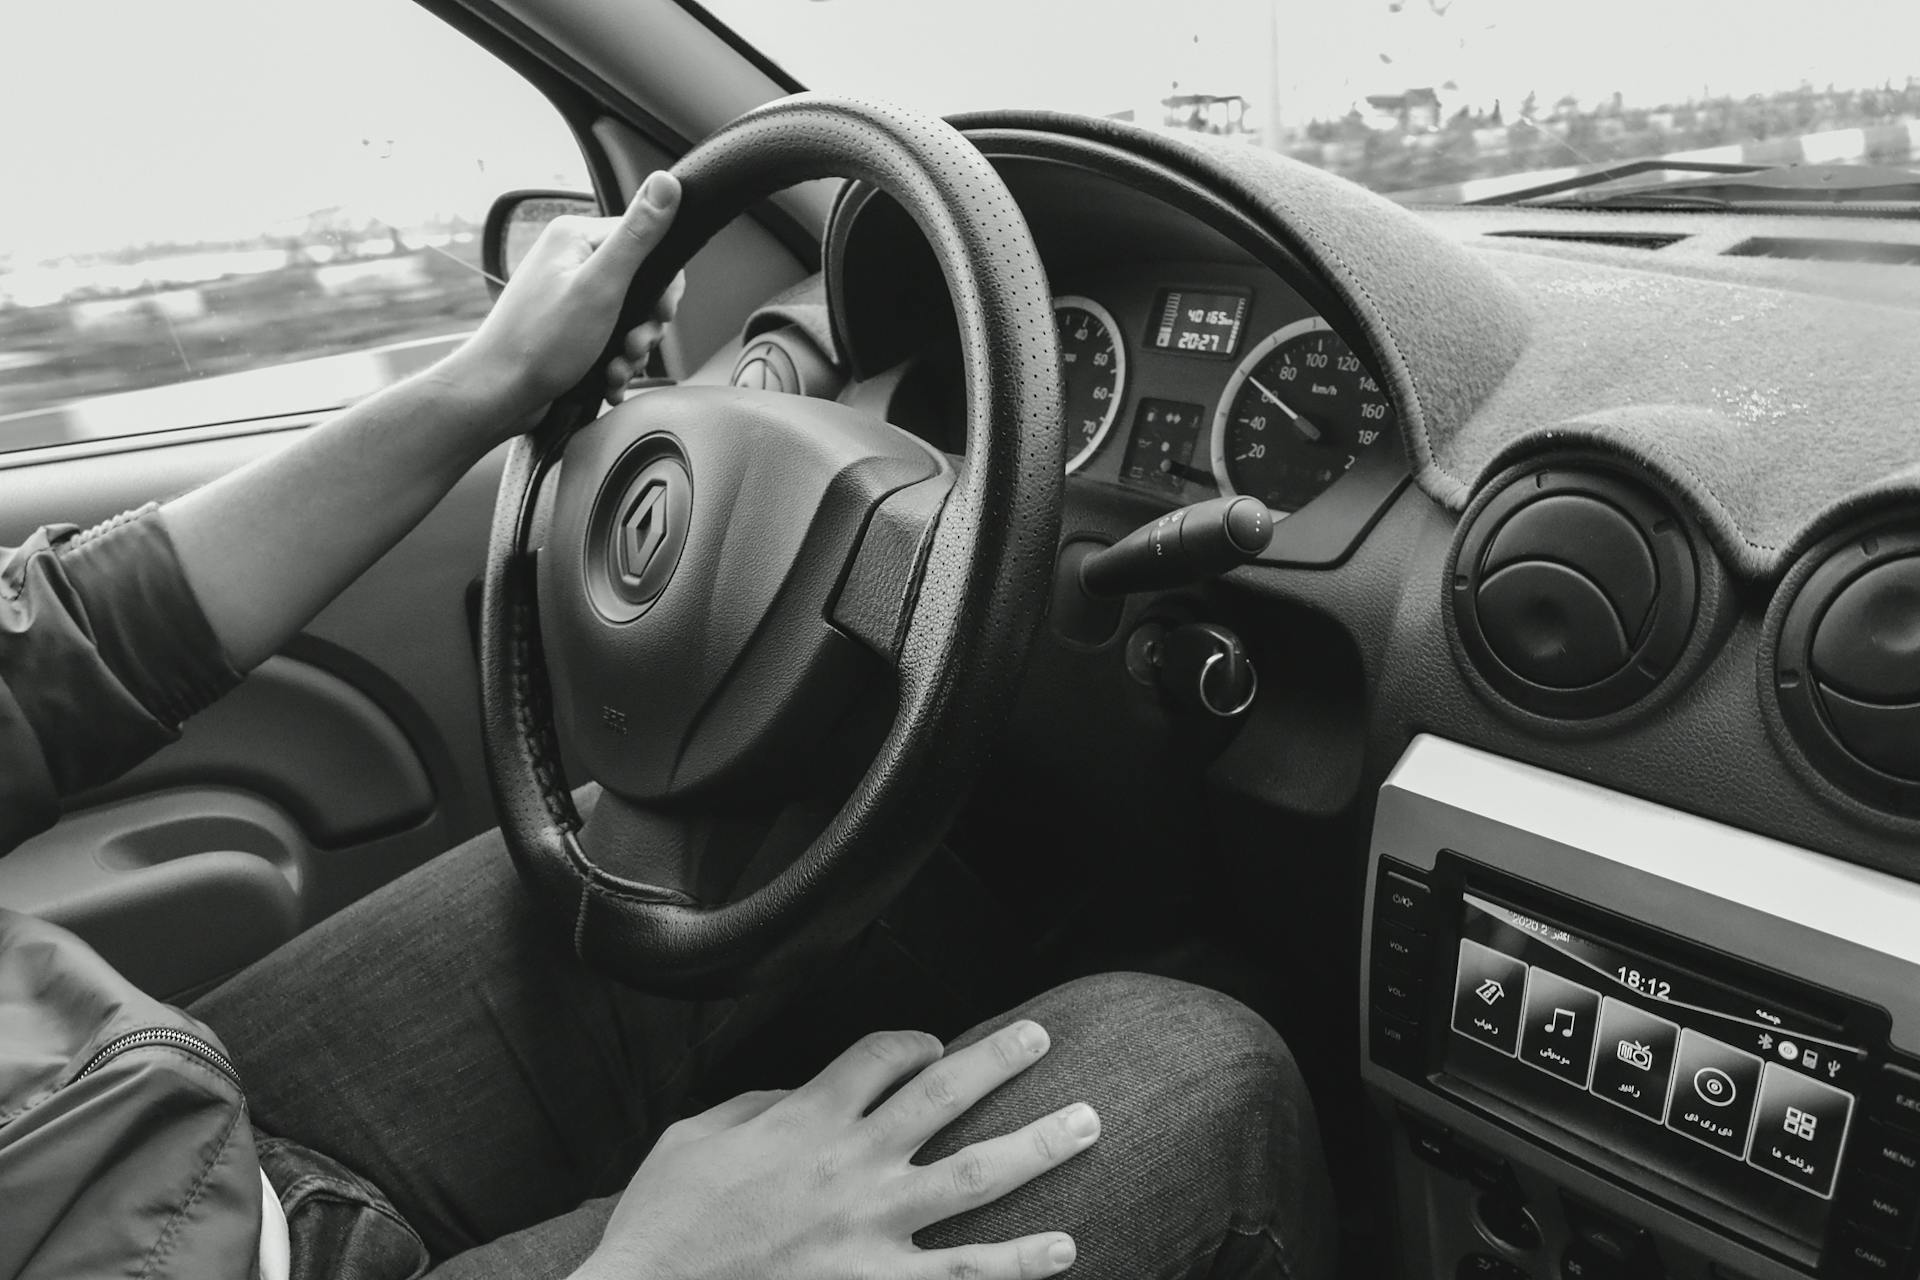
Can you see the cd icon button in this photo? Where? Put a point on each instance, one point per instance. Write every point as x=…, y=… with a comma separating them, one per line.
x=1715, y=1087
x=1713, y=1093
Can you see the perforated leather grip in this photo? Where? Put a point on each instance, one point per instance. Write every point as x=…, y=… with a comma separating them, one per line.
x=978, y=607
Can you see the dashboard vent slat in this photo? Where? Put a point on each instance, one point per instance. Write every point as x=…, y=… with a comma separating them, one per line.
x=1611, y=239
x=1804, y=249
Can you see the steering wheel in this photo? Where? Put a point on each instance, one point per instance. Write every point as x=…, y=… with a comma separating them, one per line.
x=780, y=633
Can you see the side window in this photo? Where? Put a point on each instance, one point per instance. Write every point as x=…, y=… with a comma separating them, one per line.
x=220, y=210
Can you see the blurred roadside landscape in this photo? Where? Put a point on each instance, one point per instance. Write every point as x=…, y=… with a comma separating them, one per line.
x=1427, y=137
x=145, y=316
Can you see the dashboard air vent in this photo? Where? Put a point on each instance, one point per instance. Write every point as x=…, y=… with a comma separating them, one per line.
x=787, y=360
x=1574, y=590
x=1847, y=666
x=1612, y=239
x=1808, y=250
x=766, y=366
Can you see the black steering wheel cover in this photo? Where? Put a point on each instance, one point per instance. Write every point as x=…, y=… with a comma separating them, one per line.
x=982, y=593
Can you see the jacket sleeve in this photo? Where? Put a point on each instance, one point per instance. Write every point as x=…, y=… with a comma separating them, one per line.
x=104, y=651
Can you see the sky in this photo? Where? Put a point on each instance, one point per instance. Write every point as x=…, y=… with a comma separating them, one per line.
x=1109, y=55
x=130, y=121
x=124, y=121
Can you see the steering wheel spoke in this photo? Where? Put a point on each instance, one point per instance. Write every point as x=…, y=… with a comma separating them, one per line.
x=694, y=857
x=875, y=603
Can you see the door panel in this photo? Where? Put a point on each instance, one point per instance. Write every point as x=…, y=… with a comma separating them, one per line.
x=175, y=889
x=334, y=767
x=346, y=774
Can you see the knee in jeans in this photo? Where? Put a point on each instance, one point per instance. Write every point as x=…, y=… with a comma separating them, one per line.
x=1207, y=1137
x=1199, y=1066
x=1162, y=1034
x=1215, y=1091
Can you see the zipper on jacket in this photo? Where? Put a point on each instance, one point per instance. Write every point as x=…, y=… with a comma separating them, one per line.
x=155, y=1036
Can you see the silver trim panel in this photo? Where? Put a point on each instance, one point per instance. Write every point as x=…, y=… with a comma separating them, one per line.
x=1831, y=923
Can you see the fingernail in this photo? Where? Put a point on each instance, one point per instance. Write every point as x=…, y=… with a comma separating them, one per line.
x=1061, y=1252
x=1032, y=1037
x=660, y=190
x=1081, y=1121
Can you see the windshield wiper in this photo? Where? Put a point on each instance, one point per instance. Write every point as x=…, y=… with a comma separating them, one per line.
x=1800, y=188
x=1612, y=173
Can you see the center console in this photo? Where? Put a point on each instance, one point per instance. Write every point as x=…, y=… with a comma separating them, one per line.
x=1611, y=1039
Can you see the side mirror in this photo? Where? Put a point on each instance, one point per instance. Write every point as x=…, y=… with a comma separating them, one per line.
x=516, y=221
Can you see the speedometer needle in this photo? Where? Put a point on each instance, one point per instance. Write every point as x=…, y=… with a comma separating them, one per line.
x=1300, y=424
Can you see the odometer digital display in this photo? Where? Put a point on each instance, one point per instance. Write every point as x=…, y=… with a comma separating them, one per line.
x=1298, y=413
x=1197, y=322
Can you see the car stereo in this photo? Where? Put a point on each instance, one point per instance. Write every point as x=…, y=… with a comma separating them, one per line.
x=1735, y=1093
x=1701, y=1039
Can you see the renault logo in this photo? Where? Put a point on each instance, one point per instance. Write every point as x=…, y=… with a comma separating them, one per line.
x=647, y=532
x=643, y=530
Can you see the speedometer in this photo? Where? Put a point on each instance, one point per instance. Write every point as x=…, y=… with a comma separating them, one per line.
x=1093, y=373
x=1297, y=414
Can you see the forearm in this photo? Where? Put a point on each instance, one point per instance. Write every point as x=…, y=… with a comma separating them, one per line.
x=266, y=547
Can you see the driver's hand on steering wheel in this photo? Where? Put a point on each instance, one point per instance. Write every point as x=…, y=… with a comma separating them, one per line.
x=808, y=1185
x=554, y=317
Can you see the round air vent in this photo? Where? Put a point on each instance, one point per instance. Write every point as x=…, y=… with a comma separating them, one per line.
x=1574, y=591
x=766, y=366
x=1846, y=667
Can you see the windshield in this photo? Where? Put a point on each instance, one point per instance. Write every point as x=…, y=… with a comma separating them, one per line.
x=1434, y=100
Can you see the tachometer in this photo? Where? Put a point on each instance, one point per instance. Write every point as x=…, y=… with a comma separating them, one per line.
x=1093, y=373
x=1297, y=414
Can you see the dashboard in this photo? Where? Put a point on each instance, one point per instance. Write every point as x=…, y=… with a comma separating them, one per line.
x=1587, y=630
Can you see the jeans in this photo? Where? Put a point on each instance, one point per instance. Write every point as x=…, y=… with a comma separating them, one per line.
x=441, y=1088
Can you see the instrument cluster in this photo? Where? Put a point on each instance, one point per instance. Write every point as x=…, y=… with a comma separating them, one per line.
x=1198, y=379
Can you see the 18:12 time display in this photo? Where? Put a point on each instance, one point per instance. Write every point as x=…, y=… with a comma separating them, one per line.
x=1645, y=983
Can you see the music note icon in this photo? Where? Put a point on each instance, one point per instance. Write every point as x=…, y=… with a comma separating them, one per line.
x=1553, y=1023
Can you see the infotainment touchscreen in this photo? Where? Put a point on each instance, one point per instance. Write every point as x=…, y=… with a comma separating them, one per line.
x=1724, y=1091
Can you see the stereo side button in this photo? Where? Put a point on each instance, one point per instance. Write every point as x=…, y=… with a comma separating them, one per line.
x=1897, y=1097
x=1402, y=900
x=1889, y=1153
x=1396, y=1043
x=1401, y=949
x=1854, y=1251
x=1888, y=1209
x=1398, y=994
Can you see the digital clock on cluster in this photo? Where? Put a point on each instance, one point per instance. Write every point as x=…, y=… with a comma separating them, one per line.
x=1198, y=322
